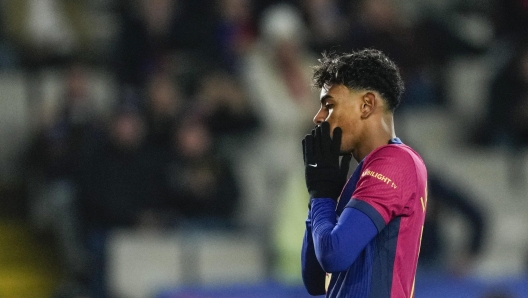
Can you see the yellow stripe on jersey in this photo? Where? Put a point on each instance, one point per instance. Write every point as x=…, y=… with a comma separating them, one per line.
x=327, y=281
x=412, y=289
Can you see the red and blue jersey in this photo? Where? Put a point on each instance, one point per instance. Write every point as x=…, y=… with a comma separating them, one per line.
x=380, y=214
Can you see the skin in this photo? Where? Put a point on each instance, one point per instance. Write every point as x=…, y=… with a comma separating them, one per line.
x=361, y=114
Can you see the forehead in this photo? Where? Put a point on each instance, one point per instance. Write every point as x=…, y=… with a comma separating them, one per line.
x=334, y=92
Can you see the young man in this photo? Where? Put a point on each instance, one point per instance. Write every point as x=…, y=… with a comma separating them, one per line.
x=362, y=236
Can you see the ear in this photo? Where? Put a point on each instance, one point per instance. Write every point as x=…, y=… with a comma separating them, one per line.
x=368, y=104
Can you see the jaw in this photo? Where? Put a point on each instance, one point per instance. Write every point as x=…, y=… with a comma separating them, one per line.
x=347, y=148
x=355, y=145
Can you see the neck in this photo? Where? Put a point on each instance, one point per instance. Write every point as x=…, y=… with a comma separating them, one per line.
x=378, y=134
x=387, y=124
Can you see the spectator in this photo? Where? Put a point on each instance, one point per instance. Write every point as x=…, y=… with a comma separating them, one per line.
x=382, y=25
x=123, y=177
x=121, y=186
x=151, y=33
x=66, y=125
x=508, y=92
x=511, y=19
x=54, y=161
x=506, y=119
x=226, y=110
x=164, y=105
x=46, y=32
x=325, y=21
x=444, y=197
x=235, y=31
x=448, y=31
x=202, y=187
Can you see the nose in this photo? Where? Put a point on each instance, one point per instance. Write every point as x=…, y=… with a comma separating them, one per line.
x=319, y=117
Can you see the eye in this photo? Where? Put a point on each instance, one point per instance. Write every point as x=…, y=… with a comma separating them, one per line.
x=329, y=106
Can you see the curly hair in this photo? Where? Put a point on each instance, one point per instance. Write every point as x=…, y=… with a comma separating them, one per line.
x=366, y=69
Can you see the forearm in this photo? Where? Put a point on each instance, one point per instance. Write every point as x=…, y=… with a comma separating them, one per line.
x=337, y=243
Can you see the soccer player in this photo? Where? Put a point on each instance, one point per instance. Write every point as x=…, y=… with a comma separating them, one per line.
x=362, y=235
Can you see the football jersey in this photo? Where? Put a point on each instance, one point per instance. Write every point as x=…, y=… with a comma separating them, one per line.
x=390, y=187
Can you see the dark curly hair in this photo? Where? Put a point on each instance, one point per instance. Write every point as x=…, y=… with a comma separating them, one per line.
x=366, y=69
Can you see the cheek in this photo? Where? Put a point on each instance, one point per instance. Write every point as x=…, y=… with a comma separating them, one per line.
x=346, y=143
x=349, y=132
x=333, y=119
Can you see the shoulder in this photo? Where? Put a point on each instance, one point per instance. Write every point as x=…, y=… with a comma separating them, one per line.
x=395, y=153
x=395, y=160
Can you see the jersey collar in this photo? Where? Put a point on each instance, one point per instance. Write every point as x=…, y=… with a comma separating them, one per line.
x=395, y=141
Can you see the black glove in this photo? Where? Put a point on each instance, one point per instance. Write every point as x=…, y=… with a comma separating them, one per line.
x=325, y=175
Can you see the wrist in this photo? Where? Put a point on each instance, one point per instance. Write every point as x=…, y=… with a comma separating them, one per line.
x=318, y=202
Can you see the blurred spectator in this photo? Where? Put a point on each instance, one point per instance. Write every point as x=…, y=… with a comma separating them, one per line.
x=121, y=186
x=446, y=198
x=511, y=19
x=422, y=44
x=506, y=119
x=164, y=105
x=448, y=30
x=226, y=110
x=151, y=32
x=123, y=178
x=235, y=31
x=202, y=187
x=277, y=75
x=325, y=21
x=382, y=24
x=201, y=17
x=455, y=28
x=54, y=161
x=47, y=31
x=66, y=125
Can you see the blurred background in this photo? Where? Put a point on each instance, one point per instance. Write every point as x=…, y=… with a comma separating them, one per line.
x=151, y=148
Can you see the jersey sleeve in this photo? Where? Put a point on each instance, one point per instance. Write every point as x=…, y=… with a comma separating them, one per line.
x=313, y=276
x=385, y=187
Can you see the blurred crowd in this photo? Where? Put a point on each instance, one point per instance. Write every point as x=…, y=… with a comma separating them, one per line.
x=212, y=99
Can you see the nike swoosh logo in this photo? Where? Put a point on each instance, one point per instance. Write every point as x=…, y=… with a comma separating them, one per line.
x=313, y=165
